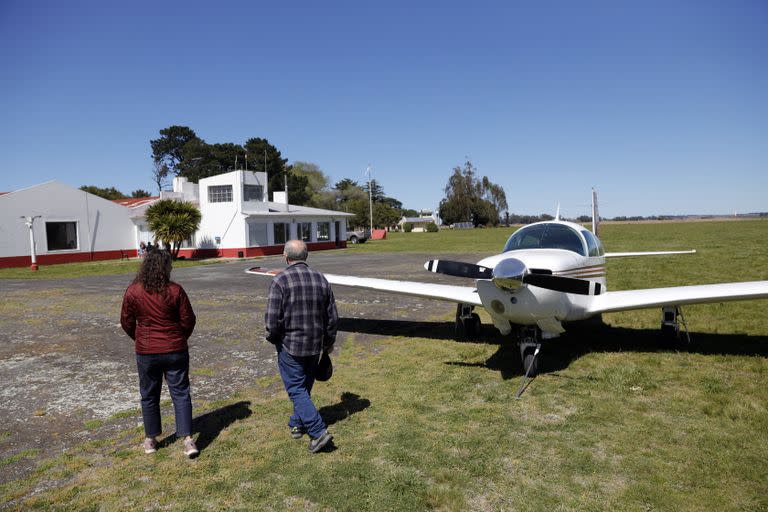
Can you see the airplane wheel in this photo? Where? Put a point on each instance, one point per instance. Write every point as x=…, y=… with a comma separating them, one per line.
x=526, y=354
x=467, y=328
x=670, y=339
x=473, y=326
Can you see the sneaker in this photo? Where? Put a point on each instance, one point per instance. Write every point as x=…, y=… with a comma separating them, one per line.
x=315, y=445
x=297, y=432
x=149, y=445
x=190, y=448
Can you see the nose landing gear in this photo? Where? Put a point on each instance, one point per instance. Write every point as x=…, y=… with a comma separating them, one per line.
x=529, y=342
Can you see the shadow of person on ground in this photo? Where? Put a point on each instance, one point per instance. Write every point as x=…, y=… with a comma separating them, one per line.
x=350, y=404
x=332, y=414
x=210, y=424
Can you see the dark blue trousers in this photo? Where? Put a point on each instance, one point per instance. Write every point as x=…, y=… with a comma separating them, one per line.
x=175, y=367
x=298, y=374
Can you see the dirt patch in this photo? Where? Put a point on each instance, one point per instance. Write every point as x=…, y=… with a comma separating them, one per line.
x=69, y=371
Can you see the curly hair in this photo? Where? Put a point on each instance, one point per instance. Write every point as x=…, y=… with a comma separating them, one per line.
x=155, y=271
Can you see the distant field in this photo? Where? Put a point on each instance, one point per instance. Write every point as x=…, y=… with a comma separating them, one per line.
x=617, y=237
x=426, y=423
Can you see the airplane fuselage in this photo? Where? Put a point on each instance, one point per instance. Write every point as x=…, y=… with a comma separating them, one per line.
x=532, y=305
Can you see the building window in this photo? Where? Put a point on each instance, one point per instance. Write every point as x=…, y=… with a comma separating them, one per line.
x=281, y=232
x=257, y=234
x=220, y=194
x=253, y=193
x=323, y=231
x=189, y=243
x=61, y=236
x=304, y=231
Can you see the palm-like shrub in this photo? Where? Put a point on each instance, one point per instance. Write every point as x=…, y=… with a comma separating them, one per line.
x=173, y=222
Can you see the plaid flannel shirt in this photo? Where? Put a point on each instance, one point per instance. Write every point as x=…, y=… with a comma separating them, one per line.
x=301, y=311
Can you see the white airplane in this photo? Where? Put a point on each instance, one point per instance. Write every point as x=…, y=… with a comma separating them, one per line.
x=548, y=273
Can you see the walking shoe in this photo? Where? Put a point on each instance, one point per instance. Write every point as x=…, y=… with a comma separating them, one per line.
x=190, y=448
x=149, y=445
x=297, y=432
x=315, y=445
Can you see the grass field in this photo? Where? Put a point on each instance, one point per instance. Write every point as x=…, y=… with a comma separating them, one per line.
x=91, y=268
x=421, y=423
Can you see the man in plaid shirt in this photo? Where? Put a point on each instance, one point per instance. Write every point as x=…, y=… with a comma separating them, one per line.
x=301, y=322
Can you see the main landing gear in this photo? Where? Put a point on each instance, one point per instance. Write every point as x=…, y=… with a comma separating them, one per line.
x=671, y=320
x=467, y=323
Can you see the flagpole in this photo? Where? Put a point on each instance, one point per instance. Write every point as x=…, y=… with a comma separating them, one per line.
x=370, y=197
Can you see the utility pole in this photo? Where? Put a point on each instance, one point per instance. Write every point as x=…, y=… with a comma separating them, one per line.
x=370, y=196
x=30, y=221
x=285, y=173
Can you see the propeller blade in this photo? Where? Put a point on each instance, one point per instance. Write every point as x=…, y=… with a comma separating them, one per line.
x=458, y=269
x=560, y=284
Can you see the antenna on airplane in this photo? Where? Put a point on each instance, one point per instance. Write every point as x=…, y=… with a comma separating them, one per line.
x=595, y=214
x=557, y=213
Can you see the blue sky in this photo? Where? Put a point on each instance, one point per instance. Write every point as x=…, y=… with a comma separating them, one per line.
x=662, y=106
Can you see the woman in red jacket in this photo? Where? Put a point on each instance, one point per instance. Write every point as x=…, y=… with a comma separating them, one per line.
x=157, y=314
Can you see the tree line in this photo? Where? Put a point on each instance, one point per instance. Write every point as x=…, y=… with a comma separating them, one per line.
x=179, y=151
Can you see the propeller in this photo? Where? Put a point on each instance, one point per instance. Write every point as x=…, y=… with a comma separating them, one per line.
x=459, y=269
x=511, y=274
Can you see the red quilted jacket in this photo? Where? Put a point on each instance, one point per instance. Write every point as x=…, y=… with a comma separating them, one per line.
x=157, y=322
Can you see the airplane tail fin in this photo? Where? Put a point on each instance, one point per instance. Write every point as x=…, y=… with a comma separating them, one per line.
x=595, y=214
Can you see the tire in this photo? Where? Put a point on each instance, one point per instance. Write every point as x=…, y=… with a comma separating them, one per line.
x=353, y=239
x=473, y=326
x=526, y=354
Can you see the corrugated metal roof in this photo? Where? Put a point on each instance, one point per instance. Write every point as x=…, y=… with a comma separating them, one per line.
x=135, y=202
x=418, y=219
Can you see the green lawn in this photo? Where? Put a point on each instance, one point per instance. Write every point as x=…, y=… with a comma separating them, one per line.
x=425, y=423
x=91, y=268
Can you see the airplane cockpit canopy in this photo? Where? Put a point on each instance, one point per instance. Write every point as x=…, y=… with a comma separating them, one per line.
x=546, y=236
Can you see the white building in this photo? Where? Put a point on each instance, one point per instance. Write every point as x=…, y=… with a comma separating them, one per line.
x=420, y=223
x=237, y=221
x=71, y=225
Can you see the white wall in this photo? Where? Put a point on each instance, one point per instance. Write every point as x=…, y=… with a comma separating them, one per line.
x=225, y=220
x=101, y=224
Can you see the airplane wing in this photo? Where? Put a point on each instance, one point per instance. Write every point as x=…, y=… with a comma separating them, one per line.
x=678, y=295
x=646, y=253
x=446, y=292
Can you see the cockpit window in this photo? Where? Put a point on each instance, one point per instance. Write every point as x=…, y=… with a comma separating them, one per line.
x=593, y=244
x=546, y=236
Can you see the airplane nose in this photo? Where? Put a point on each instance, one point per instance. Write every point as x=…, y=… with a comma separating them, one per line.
x=508, y=274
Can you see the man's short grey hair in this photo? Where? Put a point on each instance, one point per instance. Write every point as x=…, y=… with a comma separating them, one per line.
x=296, y=250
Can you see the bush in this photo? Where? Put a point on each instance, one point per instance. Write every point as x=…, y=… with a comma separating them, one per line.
x=408, y=227
x=432, y=228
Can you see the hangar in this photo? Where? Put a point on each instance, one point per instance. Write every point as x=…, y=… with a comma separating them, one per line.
x=237, y=221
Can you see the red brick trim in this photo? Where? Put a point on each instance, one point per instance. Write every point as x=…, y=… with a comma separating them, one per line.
x=77, y=257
